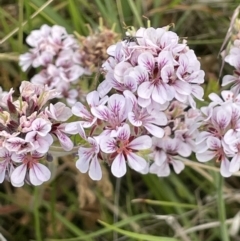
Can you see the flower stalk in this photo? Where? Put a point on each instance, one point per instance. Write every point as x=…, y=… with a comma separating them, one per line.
x=221, y=209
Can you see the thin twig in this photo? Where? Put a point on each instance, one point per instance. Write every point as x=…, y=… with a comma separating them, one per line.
x=205, y=226
x=174, y=224
x=9, y=56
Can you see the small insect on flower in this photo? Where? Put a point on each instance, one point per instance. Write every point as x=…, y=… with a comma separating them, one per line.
x=130, y=39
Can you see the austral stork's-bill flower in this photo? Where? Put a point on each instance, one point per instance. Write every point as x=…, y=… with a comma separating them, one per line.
x=123, y=148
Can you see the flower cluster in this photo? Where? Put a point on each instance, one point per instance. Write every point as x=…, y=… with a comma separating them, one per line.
x=157, y=67
x=233, y=58
x=156, y=77
x=220, y=139
x=27, y=129
x=57, y=53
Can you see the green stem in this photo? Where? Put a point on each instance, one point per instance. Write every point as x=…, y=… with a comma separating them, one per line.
x=36, y=214
x=221, y=209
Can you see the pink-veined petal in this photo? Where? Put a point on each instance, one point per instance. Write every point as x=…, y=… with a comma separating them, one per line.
x=60, y=112
x=14, y=143
x=44, y=143
x=39, y=174
x=95, y=171
x=41, y=126
x=213, y=143
x=154, y=130
x=184, y=149
x=85, y=155
x=223, y=118
x=130, y=83
x=104, y=87
x=160, y=157
x=134, y=119
x=159, y=94
x=235, y=163
x=147, y=61
x=145, y=90
x=64, y=140
x=108, y=144
x=206, y=156
x=119, y=70
x=118, y=167
x=93, y=98
x=224, y=169
x=101, y=112
x=136, y=162
x=18, y=175
x=141, y=143
x=178, y=166
x=227, y=79
x=123, y=132
x=161, y=171
x=116, y=103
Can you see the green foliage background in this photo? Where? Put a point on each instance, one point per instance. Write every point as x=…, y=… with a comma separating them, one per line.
x=189, y=206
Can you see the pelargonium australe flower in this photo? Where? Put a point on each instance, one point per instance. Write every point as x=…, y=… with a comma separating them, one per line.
x=28, y=128
x=157, y=67
x=156, y=77
x=233, y=58
x=219, y=139
x=56, y=52
x=122, y=148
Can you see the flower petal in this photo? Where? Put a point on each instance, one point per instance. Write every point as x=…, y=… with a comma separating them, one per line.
x=206, y=156
x=154, y=130
x=118, y=167
x=145, y=90
x=18, y=175
x=160, y=157
x=136, y=162
x=41, y=126
x=108, y=144
x=178, y=166
x=39, y=174
x=64, y=140
x=141, y=143
x=95, y=171
x=224, y=169
x=235, y=163
x=85, y=155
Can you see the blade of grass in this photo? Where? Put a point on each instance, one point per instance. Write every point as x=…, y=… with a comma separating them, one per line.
x=107, y=230
x=136, y=12
x=164, y=203
x=73, y=228
x=28, y=13
x=50, y=14
x=136, y=235
x=77, y=19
